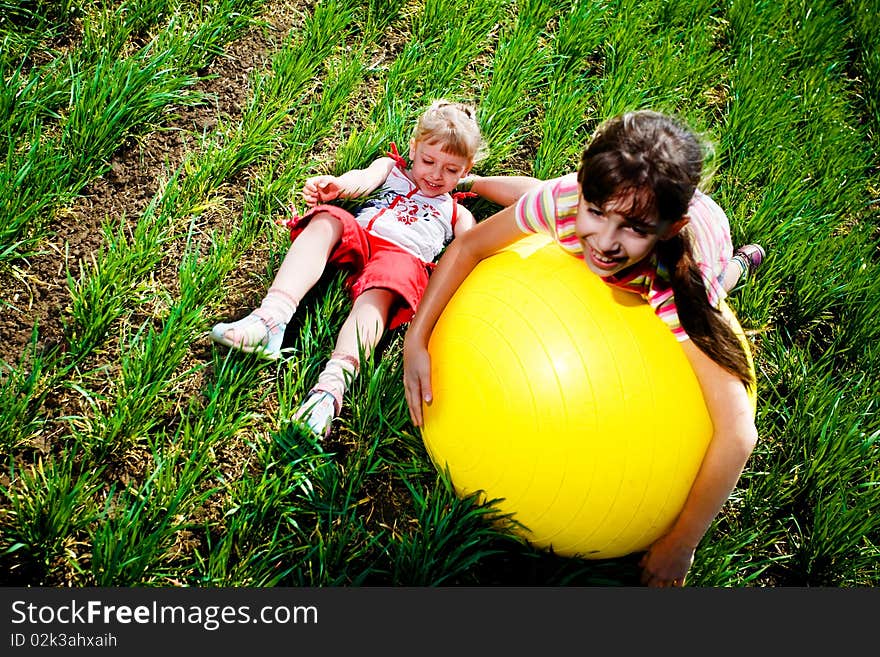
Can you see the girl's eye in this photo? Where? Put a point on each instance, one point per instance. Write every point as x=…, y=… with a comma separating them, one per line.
x=640, y=230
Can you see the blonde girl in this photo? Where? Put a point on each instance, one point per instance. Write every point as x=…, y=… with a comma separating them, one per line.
x=387, y=248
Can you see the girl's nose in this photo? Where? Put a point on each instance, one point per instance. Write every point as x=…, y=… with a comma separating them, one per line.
x=606, y=238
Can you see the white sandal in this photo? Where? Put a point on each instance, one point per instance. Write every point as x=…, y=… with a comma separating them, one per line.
x=318, y=411
x=268, y=347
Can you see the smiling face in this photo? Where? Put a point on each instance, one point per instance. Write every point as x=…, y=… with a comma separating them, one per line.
x=612, y=240
x=433, y=171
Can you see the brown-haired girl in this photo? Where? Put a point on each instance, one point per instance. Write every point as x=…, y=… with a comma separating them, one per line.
x=634, y=215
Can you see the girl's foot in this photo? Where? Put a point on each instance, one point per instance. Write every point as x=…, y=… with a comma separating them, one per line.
x=257, y=333
x=749, y=258
x=317, y=412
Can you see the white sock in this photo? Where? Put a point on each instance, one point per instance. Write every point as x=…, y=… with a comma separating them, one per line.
x=337, y=376
x=276, y=310
x=324, y=400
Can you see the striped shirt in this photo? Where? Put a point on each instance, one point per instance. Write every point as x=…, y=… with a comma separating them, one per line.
x=552, y=208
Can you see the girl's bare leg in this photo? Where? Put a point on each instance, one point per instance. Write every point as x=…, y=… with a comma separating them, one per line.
x=742, y=266
x=362, y=330
x=302, y=267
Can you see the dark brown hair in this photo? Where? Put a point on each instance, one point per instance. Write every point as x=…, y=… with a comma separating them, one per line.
x=658, y=161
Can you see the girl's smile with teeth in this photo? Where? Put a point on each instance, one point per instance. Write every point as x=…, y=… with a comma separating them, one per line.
x=435, y=171
x=609, y=230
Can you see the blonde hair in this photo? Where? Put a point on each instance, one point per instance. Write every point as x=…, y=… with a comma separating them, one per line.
x=453, y=126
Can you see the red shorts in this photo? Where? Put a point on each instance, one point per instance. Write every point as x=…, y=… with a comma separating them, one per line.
x=374, y=263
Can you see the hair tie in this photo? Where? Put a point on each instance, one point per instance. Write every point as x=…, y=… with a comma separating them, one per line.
x=397, y=157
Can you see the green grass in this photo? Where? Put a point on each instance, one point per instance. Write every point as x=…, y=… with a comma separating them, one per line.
x=62, y=132
x=136, y=453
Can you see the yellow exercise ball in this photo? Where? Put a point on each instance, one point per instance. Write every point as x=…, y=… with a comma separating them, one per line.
x=565, y=399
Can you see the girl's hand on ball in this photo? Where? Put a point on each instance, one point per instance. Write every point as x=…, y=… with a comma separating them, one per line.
x=416, y=381
x=666, y=563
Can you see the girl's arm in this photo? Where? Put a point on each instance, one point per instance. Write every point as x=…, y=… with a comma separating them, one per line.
x=464, y=222
x=460, y=257
x=357, y=182
x=502, y=190
x=667, y=561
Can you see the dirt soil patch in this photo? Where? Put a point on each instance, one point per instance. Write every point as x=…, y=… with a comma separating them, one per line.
x=37, y=288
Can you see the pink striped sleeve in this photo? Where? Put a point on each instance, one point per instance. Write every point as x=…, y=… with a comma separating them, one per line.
x=536, y=210
x=663, y=303
x=552, y=208
x=710, y=233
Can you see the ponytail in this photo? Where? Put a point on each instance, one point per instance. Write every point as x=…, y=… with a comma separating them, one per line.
x=657, y=161
x=703, y=323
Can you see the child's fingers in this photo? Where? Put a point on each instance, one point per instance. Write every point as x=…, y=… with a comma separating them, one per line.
x=315, y=184
x=413, y=391
x=425, y=397
x=417, y=385
x=318, y=189
x=326, y=189
x=413, y=402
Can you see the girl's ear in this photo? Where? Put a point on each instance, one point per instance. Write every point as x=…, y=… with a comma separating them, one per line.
x=675, y=228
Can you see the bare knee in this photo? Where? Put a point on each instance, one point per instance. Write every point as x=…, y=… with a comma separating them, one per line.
x=367, y=320
x=374, y=303
x=325, y=225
